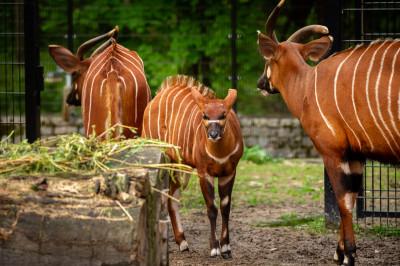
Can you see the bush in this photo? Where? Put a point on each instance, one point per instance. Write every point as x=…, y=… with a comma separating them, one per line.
x=257, y=155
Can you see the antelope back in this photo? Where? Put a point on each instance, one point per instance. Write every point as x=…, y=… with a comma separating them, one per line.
x=115, y=91
x=173, y=116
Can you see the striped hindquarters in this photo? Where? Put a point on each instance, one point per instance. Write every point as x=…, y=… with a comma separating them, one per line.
x=115, y=90
x=364, y=95
x=172, y=116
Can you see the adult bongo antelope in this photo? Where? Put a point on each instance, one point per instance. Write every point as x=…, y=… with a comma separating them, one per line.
x=111, y=84
x=187, y=114
x=348, y=104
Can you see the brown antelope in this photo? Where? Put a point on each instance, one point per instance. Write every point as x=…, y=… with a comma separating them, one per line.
x=111, y=84
x=348, y=104
x=187, y=114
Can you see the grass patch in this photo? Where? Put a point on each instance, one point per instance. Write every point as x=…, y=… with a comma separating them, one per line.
x=271, y=183
x=382, y=231
x=312, y=224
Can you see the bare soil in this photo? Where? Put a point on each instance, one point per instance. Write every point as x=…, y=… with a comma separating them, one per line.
x=255, y=245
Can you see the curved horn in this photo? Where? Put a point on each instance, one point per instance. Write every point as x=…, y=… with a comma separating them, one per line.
x=101, y=48
x=306, y=31
x=90, y=43
x=271, y=21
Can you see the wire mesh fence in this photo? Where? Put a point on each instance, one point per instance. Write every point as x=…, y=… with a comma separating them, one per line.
x=12, y=71
x=378, y=203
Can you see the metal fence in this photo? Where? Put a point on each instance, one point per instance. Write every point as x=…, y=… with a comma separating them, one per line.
x=20, y=73
x=12, y=71
x=378, y=203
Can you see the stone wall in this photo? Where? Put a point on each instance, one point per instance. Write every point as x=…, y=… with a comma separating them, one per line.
x=280, y=137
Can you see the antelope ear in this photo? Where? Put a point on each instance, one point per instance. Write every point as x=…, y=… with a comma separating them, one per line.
x=198, y=98
x=230, y=99
x=64, y=58
x=315, y=50
x=266, y=46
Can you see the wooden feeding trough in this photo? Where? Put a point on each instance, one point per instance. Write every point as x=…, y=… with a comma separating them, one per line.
x=114, y=219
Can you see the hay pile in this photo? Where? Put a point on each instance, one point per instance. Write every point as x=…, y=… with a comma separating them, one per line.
x=76, y=154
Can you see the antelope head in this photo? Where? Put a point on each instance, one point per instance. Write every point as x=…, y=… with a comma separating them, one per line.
x=215, y=112
x=77, y=65
x=281, y=56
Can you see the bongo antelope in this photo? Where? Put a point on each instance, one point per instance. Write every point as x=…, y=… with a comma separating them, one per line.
x=348, y=104
x=187, y=114
x=111, y=84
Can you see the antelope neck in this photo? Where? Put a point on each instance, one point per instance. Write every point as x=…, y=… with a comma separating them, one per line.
x=295, y=86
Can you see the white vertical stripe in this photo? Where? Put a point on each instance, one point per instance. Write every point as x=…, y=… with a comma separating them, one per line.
x=368, y=99
x=91, y=98
x=186, y=140
x=328, y=124
x=136, y=84
x=335, y=96
x=377, y=95
x=353, y=97
x=195, y=141
x=392, y=119
x=182, y=117
x=150, y=110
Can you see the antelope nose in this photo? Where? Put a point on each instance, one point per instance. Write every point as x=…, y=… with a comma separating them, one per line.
x=262, y=83
x=213, y=134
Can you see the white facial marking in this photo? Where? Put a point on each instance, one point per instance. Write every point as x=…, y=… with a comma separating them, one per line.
x=183, y=246
x=269, y=72
x=225, y=248
x=346, y=168
x=225, y=201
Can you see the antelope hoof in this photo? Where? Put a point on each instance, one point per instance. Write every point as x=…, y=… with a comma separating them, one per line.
x=183, y=246
x=349, y=260
x=226, y=251
x=215, y=252
x=338, y=257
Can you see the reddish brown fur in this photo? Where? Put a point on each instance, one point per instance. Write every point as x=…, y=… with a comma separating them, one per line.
x=180, y=115
x=111, y=86
x=348, y=120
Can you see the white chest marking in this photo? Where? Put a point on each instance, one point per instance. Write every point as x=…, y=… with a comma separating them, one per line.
x=223, y=159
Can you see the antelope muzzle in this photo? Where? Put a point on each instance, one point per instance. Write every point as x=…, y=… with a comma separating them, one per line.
x=263, y=85
x=214, y=130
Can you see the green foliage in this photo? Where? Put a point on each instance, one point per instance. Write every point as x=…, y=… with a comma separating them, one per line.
x=181, y=36
x=257, y=155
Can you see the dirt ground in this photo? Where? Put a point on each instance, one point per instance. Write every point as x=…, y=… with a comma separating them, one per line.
x=254, y=245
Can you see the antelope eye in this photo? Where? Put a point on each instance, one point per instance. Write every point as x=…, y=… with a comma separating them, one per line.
x=222, y=117
x=205, y=117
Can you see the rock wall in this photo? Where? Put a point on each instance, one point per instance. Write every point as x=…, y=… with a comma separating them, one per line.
x=280, y=137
